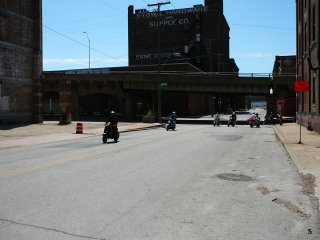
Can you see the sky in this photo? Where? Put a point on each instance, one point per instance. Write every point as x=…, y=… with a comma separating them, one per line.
x=259, y=31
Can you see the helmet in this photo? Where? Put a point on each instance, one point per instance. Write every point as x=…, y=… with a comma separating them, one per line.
x=112, y=113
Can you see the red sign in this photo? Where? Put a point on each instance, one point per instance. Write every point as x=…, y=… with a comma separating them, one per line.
x=281, y=101
x=301, y=86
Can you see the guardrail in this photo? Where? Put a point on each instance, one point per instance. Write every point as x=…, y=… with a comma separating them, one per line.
x=213, y=74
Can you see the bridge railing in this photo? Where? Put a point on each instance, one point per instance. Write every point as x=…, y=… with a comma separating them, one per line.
x=213, y=74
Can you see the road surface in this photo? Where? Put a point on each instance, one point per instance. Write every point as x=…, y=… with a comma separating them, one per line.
x=198, y=182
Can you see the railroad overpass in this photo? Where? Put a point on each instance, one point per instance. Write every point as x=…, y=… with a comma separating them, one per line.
x=79, y=93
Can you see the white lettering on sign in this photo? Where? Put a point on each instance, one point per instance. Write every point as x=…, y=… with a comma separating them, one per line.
x=144, y=14
x=143, y=56
x=172, y=22
x=155, y=55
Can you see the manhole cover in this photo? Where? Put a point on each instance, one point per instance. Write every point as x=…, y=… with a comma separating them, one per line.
x=234, y=177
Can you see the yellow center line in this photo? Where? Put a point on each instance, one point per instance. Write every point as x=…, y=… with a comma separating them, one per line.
x=81, y=156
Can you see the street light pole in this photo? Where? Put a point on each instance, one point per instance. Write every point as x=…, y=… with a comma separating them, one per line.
x=89, y=47
x=158, y=5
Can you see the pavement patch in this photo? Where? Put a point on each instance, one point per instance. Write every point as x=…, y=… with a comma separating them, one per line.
x=308, y=188
x=293, y=208
x=308, y=184
x=266, y=191
x=234, y=177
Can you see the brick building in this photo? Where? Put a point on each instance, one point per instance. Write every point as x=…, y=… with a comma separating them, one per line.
x=308, y=62
x=20, y=61
x=198, y=35
x=285, y=66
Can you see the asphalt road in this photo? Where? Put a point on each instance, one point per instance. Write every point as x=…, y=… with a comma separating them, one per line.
x=198, y=182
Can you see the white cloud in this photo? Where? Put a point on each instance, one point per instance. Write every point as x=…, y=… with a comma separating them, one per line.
x=83, y=61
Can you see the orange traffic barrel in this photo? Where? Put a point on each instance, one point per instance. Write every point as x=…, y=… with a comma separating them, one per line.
x=79, y=129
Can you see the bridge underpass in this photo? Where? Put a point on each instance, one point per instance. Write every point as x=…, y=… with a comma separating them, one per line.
x=132, y=94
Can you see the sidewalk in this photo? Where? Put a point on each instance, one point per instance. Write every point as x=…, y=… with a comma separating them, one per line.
x=51, y=131
x=306, y=156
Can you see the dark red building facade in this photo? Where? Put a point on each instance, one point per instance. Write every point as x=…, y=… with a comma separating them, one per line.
x=198, y=35
x=308, y=62
x=20, y=61
x=285, y=66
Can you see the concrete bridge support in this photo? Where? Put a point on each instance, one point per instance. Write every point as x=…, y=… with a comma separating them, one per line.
x=65, y=102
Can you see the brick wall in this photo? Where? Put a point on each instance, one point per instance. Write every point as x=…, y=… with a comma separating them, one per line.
x=198, y=35
x=308, y=61
x=20, y=59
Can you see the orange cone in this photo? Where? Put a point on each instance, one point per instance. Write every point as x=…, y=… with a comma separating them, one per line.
x=79, y=129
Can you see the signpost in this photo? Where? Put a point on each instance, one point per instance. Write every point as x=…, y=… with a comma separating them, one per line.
x=301, y=86
x=281, y=101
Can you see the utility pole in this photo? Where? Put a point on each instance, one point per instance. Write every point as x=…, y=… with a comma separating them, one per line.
x=89, y=47
x=209, y=51
x=159, y=60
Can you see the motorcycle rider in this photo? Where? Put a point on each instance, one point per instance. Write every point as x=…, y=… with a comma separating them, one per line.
x=216, y=118
x=172, y=121
x=253, y=117
x=113, y=120
x=233, y=118
x=174, y=116
x=257, y=118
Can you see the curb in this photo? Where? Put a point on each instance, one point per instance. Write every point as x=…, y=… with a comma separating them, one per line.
x=300, y=168
x=90, y=133
x=281, y=138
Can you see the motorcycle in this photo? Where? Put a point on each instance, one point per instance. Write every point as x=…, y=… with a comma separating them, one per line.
x=255, y=122
x=271, y=119
x=216, y=121
x=110, y=132
x=171, y=124
x=232, y=122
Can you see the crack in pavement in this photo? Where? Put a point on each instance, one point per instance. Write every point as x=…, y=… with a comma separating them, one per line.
x=47, y=229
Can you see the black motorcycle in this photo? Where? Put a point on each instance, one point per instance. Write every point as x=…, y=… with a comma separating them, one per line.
x=232, y=122
x=255, y=122
x=171, y=124
x=110, y=132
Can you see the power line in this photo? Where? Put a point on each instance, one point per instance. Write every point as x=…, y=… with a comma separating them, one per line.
x=173, y=5
x=78, y=41
x=97, y=26
x=81, y=19
x=112, y=6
